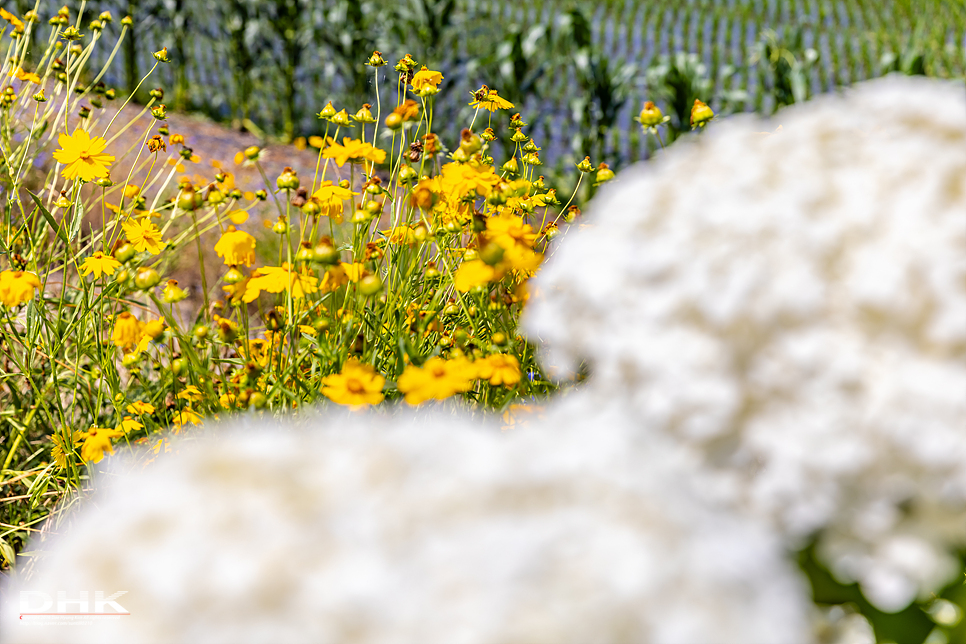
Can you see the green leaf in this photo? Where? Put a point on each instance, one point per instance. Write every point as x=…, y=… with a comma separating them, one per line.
x=50, y=218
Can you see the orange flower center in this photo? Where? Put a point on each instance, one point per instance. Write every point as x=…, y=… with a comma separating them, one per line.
x=354, y=386
x=84, y=155
x=439, y=371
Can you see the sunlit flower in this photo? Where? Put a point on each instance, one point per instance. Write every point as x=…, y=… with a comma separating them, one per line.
x=236, y=247
x=97, y=440
x=16, y=287
x=426, y=78
x=128, y=424
x=499, y=369
x=401, y=234
x=127, y=330
x=140, y=408
x=357, y=384
x=353, y=150
x=508, y=231
x=460, y=179
x=185, y=416
x=82, y=156
x=354, y=271
x=99, y=264
x=700, y=114
x=490, y=100
x=472, y=274
x=276, y=279
x=331, y=197
x=143, y=235
x=190, y=393
x=150, y=331
x=436, y=379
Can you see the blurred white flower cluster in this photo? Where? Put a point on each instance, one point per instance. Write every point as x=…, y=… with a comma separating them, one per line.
x=792, y=307
x=422, y=528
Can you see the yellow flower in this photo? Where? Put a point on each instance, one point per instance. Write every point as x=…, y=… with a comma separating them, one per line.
x=353, y=150
x=509, y=231
x=331, y=197
x=353, y=271
x=16, y=287
x=491, y=100
x=401, y=234
x=12, y=19
x=460, y=179
x=99, y=264
x=150, y=331
x=436, y=379
x=26, y=76
x=186, y=415
x=276, y=279
x=97, y=440
x=358, y=384
x=426, y=78
x=138, y=407
x=190, y=393
x=472, y=274
x=236, y=247
x=499, y=369
x=127, y=330
x=143, y=235
x=83, y=156
x=128, y=425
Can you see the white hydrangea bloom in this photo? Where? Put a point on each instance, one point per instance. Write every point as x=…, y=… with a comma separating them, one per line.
x=422, y=528
x=793, y=307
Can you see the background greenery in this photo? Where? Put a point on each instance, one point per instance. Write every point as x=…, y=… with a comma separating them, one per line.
x=578, y=70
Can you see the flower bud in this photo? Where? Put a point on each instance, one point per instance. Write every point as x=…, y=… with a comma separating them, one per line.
x=146, y=278
x=124, y=252
x=407, y=174
x=585, y=165
x=376, y=60
x=700, y=114
x=159, y=112
x=252, y=152
x=394, y=121
x=288, y=180
x=604, y=173
x=511, y=166
x=327, y=112
x=257, y=399
x=492, y=254
x=650, y=115
x=280, y=227
x=172, y=292
x=127, y=21
x=341, y=118
x=325, y=252
x=162, y=55
x=261, y=195
x=364, y=115
x=233, y=276
x=369, y=285
x=519, y=136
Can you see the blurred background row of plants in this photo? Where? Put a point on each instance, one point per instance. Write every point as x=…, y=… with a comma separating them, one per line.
x=579, y=70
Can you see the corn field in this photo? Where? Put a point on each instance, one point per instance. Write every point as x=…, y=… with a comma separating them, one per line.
x=581, y=66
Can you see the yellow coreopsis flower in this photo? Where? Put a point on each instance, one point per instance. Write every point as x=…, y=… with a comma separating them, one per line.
x=276, y=279
x=140, y=408
x=128, y=424
x=11, y=18
x=144, y=235
x=330, y=198
x=150, y=331
x=426, y=78
x=353, y=271
x=191, y=394
x=472, y=274
x=499, y=369
x=490, y=100
x=460, y=179
x=236, y=247
x=99, y=264
x=185, y=416
x=436, y=379
x=358, y=384
x=127, y=330
x=83, y=156
x=353, y=150
x=508, y=231
x=16, y=287
x=97, y=440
